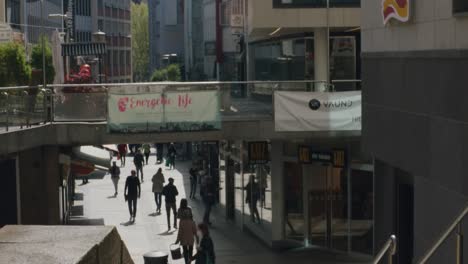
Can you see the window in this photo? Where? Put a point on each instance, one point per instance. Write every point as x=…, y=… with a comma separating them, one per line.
x=13, y=13
x=226, y=13
x=460, y=6
x=315, y=3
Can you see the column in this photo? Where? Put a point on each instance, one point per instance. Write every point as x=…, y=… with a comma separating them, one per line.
x=277, y=189
x=321, y=58
x=2, y=12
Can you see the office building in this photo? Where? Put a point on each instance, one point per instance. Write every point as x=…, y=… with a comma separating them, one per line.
x=415, y=57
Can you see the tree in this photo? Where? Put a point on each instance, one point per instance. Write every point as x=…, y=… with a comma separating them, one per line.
x=170, y=73
x=140, y=42
x=14, y=70
x=36, y=59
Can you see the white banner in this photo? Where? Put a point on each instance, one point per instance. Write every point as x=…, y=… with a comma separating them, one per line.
x=311, y=111
x=173, y=111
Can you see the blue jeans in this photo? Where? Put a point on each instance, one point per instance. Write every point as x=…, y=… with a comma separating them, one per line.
x=157, y=198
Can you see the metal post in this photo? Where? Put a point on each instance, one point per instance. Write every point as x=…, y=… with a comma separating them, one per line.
x=328, y=45
x=43, y=46
x=100, y=68
x=7, y=110
x=459, y=244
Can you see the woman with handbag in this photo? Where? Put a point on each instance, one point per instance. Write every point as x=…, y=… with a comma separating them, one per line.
x=187, y=230
x=205, y=252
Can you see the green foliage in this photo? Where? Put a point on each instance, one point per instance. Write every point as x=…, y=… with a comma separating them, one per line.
x=36, y=59
x=140, y=42
x=170, y=73
x=14, y=69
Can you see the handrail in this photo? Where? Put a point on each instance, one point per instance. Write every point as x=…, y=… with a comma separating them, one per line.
x=389, y=247
x=444, y=236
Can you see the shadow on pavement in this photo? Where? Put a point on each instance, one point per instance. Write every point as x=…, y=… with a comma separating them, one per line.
x=86, y=221
x=167, y=233
x=154, y=214
x=78, y=197
x=77, y=210
x=128, y=223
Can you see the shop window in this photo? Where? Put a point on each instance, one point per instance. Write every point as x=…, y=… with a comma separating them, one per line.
x=460, y=6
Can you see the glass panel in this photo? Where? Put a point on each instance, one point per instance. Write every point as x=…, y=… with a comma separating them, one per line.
x=338, y=188
x=362, y=223
x=318, y=205
x=80, y=106
x=294, y=208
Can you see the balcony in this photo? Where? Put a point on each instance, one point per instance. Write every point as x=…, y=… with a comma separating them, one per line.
x=299, y=16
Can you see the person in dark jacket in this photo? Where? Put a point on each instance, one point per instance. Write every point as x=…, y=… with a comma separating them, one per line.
x=170, y=192
x=131, y=193
x=171, y=155
x=139, y=160
x=252, y=195
x=193, y=182
x=205, y=252
x=209, y=198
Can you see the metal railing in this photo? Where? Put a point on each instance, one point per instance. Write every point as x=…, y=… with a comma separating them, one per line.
x=389, y=249
x=27, y=106
x=456, y=224
x=23, y=107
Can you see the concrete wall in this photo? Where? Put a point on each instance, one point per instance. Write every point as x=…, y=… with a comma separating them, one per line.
x=432, y=26
x=62, y=244
x=262, y=15
x=39, y=186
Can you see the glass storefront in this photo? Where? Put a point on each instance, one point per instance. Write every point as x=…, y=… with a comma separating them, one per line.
x=324, y=205
x=293, y=59
x=328, y=206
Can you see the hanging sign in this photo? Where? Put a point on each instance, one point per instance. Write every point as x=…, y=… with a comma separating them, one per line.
x=314, y=111
x=304, y=155
x=258, y=152
x=339, y=158
x=158, y=112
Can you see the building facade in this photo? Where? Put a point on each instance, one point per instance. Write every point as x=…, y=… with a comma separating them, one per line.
x=166, y=27
x=414, y=112
x=113, y=18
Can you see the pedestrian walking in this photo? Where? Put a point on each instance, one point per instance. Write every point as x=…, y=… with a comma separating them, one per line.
x=171, y=155
x=146, y=151
x=159, y=152
x=138, y=161
x=122, y=148
x=208, y=198
x=158, y=185
x=115, y=176
x=131, y=193
x=170, y=192
x=187, y=230
x=193, y=182
x=253, y=194
x=205, y=251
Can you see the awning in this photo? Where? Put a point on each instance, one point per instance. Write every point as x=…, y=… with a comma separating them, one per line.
x=83, y=49
x=93, y=155
x=111, y=147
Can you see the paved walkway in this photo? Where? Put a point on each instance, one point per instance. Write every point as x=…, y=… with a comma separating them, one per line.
x=149, y=232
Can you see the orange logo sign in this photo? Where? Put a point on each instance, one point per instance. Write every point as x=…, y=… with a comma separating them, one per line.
x=397, y=9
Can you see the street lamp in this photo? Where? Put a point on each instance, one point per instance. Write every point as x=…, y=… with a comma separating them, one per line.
x=99, y=37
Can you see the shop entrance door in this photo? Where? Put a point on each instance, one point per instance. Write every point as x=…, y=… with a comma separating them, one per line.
x=326, y=201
